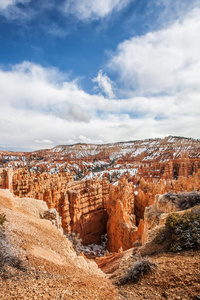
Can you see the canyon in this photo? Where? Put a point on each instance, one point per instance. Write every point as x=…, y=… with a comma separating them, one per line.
x=98, y=189
x=116, y=198
x=150, y=159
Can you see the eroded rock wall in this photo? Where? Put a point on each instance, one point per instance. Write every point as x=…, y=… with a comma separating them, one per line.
x=39, y=186
x=146, y=191
x=82, y=204
x=6, y=177
x=121, y=227
x=87, y=201
x=171, y=169
x=87, y=205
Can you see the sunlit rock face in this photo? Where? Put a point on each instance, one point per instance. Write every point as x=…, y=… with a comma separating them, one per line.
x=104, y=188
x=87, y=202
x=151, y=210
x=81, y=204
x=121, y=227
x=6, y=179
x=92, y=207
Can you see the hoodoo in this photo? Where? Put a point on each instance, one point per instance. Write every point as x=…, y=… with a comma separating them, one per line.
x=113, y=201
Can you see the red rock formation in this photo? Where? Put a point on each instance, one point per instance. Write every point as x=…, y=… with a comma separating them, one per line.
x=82, y=204
x=155, y=159
x=121, y=229
x=40, y=185
x=6, y=176
x=87, y=209
x=86, y=205
x=146, y=191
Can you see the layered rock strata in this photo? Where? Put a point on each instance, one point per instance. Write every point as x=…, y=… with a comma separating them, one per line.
x=85, y=206
x=6, y=179
x=146, y=191
x=121, y=227
x=81, y=204
x=152, y=159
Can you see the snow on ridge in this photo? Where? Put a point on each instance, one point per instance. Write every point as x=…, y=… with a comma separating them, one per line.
x=138, y=152
x=87, y=153
x=118, y=172
x=58, y=149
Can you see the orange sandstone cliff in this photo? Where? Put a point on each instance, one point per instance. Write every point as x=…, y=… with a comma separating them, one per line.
x=121, y=227
x=93, y=207
x=81, y=204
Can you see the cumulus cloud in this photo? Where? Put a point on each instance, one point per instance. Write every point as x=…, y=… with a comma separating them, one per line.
x=11, y=10
x=166, y=61
x=85, y=10
x=41, y=108
x=93, y=9
x=38, y=88
x=4, y=4
x=75, y=113
x=105, y=84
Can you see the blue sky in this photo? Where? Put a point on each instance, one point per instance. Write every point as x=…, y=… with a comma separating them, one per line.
x=98, y=71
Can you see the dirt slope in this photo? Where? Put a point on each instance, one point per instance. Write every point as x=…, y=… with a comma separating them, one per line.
x=177, y=277
x=55, y=272
x=53, y=269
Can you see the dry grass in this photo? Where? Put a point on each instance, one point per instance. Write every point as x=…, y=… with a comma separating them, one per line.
x=137, y=270
x=76, y=241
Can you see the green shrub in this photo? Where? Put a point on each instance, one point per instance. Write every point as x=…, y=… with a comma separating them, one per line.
x=184, y=200
x=181, y=231
x=137, y=270
x=188, y=200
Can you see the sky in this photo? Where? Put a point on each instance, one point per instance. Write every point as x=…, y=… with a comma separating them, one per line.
x=95, y=71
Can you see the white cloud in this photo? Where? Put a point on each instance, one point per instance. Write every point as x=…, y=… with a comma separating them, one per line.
x=44, y=142
x=40, y=89
x=93, y=9
x=84, y=10
x=4, y=4
x=166, y=61
x=170, y=10
x=87, y=140
x=11, y=11
x=75, y=113
x=105, y=84
x=41, y=108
